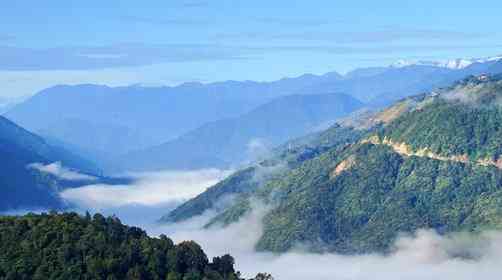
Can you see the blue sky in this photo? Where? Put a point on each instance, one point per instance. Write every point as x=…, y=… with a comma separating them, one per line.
x=43, y=43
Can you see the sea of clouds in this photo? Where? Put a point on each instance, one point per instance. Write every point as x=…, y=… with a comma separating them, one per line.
x=423, y=255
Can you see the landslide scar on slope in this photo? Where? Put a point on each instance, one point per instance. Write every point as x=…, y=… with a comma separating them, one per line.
x=346, y=164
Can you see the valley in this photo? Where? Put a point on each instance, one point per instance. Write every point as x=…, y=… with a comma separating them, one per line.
x=250, y=140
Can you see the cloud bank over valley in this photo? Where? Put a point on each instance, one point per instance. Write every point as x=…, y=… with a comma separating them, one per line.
x=423, y=255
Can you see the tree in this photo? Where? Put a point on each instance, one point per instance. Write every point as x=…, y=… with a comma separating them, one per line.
x=263, y=276
x=187, y=256
x=192, y=275
x=173, y=275
x=224, y=265
x=68, y=246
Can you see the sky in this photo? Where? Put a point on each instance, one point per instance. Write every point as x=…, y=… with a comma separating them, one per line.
x=44, y=43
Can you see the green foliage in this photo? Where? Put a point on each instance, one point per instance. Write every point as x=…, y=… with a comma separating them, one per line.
x=263, y=276
x=363, y=207
x=451, y=128
x=248, y=180
x=68, y=246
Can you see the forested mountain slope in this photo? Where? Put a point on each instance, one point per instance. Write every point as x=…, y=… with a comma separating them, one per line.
x=433, y=163
x=283, y=159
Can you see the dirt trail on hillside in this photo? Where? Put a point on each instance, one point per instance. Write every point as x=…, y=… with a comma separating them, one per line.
x=406, y=150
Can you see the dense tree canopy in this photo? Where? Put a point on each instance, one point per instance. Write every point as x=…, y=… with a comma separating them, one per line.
x=68, y=246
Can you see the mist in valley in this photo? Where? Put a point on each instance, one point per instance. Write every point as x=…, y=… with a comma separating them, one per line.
x=243, y=125
x=423, y=255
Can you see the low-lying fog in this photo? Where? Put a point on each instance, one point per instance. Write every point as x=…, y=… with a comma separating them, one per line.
x=426, y=255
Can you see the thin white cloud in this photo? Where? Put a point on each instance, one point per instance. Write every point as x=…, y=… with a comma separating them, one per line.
x=257, y=148
x=387, y=35
x=195, y=4
x=424, y=255
x=165, y=21
x=109, y=56
x=149, y=189
x=58, y=170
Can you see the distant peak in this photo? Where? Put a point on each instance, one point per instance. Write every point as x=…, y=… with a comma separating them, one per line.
x=459, y=63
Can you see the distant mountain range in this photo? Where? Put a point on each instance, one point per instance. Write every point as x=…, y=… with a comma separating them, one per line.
x=109, y=124
x=459, y=63
x=431, y=161
x=227, y=142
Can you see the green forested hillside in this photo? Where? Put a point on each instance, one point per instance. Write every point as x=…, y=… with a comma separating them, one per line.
x=68, y=246
x=246, y=181
x=463, y=120
x=362, y=208
x=434, y=164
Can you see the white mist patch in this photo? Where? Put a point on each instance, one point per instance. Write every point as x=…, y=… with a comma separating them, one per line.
x=237, y=238
x=58, y=170
x=264, y=172
x=149, y=189
x=424, y=255
x=257, y=148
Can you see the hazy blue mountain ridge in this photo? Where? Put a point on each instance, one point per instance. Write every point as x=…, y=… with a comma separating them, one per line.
x=113, y=123
x=228, y=142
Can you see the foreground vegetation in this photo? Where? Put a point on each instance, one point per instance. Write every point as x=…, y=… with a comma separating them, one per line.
x=69, y=246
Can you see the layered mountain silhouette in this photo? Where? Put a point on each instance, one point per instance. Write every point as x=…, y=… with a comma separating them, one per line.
x=227, y=142
x=109, y=124
x=113, y=121
x=429, y=161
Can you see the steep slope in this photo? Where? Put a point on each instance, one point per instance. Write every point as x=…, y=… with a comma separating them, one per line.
x=12, y=134
x=246, y=181
x=360, y=199
x=25, y=187
x=433, y=164
x=231, y=141
x=68, y=246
